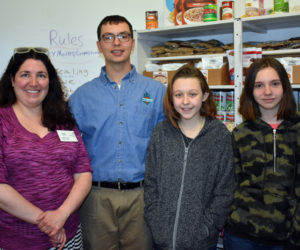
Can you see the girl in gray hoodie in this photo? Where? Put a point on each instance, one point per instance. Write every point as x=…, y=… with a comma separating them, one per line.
x=189, y=179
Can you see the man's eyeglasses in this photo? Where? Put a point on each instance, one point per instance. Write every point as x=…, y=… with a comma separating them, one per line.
x=110, y=38
x=22, y=50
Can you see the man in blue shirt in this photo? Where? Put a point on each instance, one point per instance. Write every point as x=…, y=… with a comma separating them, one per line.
x=116, y=113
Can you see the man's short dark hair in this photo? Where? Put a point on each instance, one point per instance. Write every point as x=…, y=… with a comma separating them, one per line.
x=113, y=19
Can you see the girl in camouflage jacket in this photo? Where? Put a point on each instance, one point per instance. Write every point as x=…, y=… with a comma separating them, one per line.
x=265, y=213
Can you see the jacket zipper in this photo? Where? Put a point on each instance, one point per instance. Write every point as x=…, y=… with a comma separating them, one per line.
x=186, y=150
x=274, y=151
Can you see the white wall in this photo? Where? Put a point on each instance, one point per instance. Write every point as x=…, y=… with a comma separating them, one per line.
x=68, y=29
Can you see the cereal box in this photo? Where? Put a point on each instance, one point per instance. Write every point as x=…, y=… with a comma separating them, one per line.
x=169, y=13
x=178, y=12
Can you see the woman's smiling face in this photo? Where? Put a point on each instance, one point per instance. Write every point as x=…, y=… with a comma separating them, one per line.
x=31, y=83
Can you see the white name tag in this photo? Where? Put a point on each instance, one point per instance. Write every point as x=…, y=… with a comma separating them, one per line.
x=67, y=135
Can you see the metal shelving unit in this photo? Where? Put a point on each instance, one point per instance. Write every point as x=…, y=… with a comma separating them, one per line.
x=228, y=31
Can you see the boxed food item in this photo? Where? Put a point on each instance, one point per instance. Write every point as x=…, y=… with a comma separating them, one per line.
x=293, y=72
x=169, y=13
x=294, y=6
x=164, y=77
x=193, y=10
x=213, y=76
x=292, y=67
x=249, y=55
x=178, y=12
x=254, y=8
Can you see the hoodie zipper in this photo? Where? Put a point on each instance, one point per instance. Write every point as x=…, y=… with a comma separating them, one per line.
x=186, y=150
x=274, y=151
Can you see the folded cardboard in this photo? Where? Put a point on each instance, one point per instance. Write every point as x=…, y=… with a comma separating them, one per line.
x=213, y=76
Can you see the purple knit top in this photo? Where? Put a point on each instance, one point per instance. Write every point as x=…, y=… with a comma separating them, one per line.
x=40, y=169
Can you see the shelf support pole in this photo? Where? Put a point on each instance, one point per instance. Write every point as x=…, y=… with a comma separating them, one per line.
x=238, y=66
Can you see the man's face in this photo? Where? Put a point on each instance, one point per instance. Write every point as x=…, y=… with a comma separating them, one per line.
x=114, y=50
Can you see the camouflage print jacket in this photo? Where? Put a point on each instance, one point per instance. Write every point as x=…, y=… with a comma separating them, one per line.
x=267, y=161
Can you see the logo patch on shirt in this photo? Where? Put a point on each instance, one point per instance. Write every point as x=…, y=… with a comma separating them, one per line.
x=147, y=99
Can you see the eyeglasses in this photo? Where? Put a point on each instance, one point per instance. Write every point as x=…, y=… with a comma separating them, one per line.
x=22, y=50
x=110, y=38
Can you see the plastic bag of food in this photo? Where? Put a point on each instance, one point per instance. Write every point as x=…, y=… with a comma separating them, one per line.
x=249, y=55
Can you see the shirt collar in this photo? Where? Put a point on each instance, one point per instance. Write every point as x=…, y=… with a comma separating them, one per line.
x=131, y=75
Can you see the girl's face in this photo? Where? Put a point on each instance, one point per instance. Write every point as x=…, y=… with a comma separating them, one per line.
x=31, y=83
x=188, y=98
x=268, y=91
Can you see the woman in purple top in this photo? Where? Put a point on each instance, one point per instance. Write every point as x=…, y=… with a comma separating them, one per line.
x=45, y=172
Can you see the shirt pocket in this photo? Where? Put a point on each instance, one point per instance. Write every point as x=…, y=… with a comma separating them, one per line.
x=143, y=120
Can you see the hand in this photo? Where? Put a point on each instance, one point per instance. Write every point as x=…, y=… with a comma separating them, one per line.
x=59, y=238
x=51, y=222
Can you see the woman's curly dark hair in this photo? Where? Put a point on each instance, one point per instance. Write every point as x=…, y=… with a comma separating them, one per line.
x=56, y=113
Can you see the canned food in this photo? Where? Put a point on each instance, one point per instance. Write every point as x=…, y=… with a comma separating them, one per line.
x=227, y=10
x=221, y=115
x=281, y=6
x=210, y=13
x=151, y=19
x=220, y=100
x=229, y=116
x=230, y=101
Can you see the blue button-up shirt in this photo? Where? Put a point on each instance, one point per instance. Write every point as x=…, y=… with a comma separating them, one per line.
x=116, y=123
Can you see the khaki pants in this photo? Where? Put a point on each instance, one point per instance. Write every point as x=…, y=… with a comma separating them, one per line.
x=113, y=220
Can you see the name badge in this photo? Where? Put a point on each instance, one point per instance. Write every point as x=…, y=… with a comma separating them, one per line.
x=67, y=135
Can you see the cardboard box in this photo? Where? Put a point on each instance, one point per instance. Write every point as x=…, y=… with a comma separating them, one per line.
x=296, y=74
x=178, y=12
x=213, y=76
x=164, y=77
x=217, y=76
x=293, y=73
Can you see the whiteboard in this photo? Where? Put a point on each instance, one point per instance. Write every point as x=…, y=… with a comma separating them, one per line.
x=68, y=28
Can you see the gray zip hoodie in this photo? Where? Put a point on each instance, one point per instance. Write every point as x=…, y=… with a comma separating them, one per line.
x=188, y=189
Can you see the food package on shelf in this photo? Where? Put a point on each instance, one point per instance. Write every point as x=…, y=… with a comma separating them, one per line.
x=294, y=6
x=292, y=67
x=193, y=10
x=186, y=48
x=254, y=8
x=214, y=76
x=169, y=13
x=249, y=55
x=214, y=69
x=162, y=73
x=268, y=7
x=281, y=6
x=178, y=12
x=227, y=10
